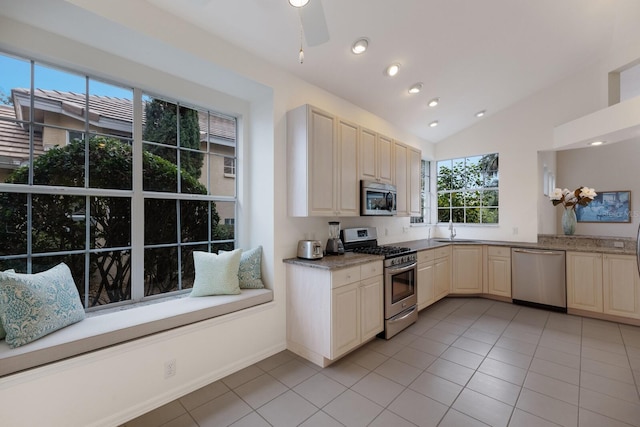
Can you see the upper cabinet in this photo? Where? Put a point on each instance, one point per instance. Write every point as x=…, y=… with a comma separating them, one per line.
x=375, y=157
x=321, y=164
x=328, y=156
x=407, y=179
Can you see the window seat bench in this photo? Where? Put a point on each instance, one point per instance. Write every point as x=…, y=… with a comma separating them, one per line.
x=106, y=329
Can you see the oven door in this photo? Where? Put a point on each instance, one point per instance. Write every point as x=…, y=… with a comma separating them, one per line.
x=399, y=289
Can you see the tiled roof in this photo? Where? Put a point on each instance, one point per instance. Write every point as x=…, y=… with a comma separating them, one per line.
x=121, y=109
x=14, y=139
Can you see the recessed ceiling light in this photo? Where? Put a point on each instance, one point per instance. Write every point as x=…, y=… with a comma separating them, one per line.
x=480, y=113
x=360, y=46
x=392, y=70
x=434, y=102
x=298, y=3
x=416, y=88
x=595, y=143
x=433, y=124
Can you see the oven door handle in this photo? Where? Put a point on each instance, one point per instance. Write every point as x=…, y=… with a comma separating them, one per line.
x=404, y=316
x=402, y=269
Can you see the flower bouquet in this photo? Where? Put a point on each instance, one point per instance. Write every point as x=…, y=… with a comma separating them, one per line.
x=569, y=199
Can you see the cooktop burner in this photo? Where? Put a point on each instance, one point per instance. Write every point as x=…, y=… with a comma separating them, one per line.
x=382, y=250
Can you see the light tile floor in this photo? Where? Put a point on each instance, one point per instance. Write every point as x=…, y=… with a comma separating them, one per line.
x=466, y=362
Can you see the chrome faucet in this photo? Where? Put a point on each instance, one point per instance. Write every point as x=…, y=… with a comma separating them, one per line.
x=451, y=230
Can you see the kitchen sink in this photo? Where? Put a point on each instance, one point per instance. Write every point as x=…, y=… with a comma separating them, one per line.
x=455, y=241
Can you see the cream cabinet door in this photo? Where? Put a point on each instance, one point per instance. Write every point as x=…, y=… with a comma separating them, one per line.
x=401, y=156
x=371, y=307
x=347, y=202
x=467, y=269
x=368, y=157
x=426, y=284
x=621, y=286
x=385, y=159
x=499, y=271
x=322, y=155
x=442, y=275
x=345, y=319
x=584, y=281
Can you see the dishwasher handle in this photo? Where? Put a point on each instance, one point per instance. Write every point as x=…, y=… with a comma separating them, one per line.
x=538, y=252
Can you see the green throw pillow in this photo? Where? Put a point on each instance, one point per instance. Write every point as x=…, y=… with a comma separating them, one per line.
x=249, y=273
x=2, y=331
x=34, y=305
x=216, y=274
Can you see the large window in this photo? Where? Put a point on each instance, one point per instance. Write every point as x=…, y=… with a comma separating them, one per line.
x=77, y=182
x=468, y=189
x=425, y=194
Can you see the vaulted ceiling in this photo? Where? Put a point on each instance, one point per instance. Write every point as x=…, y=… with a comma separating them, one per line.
x=472, y=55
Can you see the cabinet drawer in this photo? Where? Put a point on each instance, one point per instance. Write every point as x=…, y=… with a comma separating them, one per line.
x=442, y=252
x=499, y=251
x=426, y=256
x=345, y=276
x=371, y=269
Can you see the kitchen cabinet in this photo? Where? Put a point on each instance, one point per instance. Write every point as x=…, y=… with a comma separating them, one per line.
x=467, y=269
x=498, y=271
x=621, y=286
x=584, y=281
x=321, y=164
x=407, y=179
x=375, y=157
x=442, y=272
x=401, y=156
x=331, y=312
x=434, y=275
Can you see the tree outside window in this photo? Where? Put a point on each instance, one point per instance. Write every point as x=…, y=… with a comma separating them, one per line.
x=468, y=190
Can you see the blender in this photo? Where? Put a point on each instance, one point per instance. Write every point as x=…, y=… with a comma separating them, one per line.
x=334, y=244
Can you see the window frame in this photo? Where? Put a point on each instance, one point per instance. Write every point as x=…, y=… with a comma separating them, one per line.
x=465, y=189
x=136, y=194
x=425, y=195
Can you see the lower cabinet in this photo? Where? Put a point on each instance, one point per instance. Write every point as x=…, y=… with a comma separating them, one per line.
x=434, y=275
x=607, y=284
x=584, y=281
x=621, y=286
x=467, y=271
x=498, y=271
x=330, y=312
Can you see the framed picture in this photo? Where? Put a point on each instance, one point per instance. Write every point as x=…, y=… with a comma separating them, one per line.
x=608, y=206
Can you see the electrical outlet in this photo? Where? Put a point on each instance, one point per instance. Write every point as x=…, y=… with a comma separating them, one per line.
x=515, y=230
x=618, y=244
x=169, y=368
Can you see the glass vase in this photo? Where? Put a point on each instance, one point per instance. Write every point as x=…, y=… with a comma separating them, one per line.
x=569, y=221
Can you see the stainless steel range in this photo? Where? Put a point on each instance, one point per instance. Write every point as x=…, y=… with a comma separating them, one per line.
x=400, y=274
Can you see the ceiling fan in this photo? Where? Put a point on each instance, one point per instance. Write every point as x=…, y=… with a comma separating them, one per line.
x=312, y=20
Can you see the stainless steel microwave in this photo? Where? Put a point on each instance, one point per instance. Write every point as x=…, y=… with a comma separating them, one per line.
x=377, y=198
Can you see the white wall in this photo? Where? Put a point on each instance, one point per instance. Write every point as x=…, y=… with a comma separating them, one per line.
x=606, y=168
x=517, y=134
x=136, y=48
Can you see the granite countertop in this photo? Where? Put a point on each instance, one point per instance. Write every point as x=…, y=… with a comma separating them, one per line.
x=335, y=262
x=604, y=245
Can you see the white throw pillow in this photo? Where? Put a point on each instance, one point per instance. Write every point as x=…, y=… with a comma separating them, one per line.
x=216, y=274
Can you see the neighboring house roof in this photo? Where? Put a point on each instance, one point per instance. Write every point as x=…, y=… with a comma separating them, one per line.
x=14, y=140
x=110, y=114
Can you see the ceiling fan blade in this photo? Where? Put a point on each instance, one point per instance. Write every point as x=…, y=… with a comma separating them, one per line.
x=314, y=23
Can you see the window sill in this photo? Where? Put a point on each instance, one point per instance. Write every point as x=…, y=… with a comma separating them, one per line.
x=103, y=330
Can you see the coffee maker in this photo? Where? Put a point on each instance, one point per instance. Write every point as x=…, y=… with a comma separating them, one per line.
x=334, y=244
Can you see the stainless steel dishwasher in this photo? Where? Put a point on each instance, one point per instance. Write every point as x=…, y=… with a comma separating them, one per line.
x=538, y=278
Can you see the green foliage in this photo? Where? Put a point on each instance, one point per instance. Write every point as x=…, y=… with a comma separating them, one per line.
x=59, y=221
x=464, y=190
x=161, y=126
